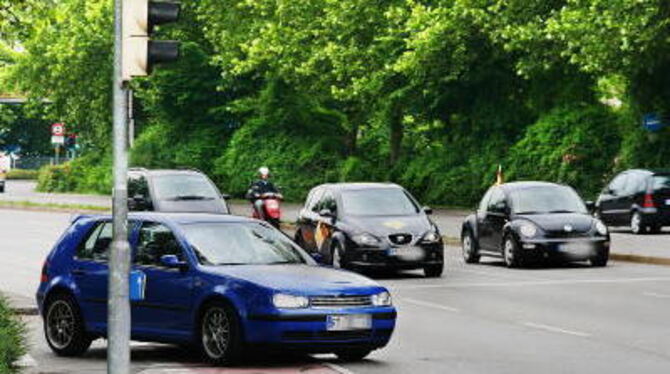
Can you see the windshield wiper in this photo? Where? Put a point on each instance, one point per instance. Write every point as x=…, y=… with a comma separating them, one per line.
x=281, y=262
x=562, y=211
x=191, y=197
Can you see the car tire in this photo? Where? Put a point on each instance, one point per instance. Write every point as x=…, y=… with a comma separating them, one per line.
x=511, y=253
x=352, y=355
x=600, y=260
x=337, y=256
x=636, y=223
x=655, y=229
x=64, y=327
x=433, y=271
x=219, y=335
x=469, y=248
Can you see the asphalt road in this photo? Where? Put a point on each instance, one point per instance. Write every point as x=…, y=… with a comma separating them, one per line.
x=475, y=319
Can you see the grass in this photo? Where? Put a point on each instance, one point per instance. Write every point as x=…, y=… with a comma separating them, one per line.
x=12, y=338
x=30, y=205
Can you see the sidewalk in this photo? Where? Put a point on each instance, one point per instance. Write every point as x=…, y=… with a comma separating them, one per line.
x=22, y=305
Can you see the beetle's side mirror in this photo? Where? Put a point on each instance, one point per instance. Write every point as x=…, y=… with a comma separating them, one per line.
x=428, y=210
x=590, y=205
x=225, y=196
x=172, y=262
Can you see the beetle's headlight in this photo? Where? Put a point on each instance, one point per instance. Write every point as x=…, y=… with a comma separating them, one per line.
x=601, y=228
x=284, y=301
x=431, y=237
x=365, y=240
x=528, y=229
x=382, y=299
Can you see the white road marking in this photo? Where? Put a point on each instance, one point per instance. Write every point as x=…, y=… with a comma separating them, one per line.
x=657, y=295
x=556, y=329
x=533, y=283
x=430, y=305
x=338, y=368
x=26, y=361
x=498, y=274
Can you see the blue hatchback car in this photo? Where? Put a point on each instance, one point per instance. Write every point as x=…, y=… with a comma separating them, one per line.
x=223, y=284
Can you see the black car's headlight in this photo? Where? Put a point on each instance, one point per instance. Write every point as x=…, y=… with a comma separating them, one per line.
x=431, y=237
x=528, y=230
x=286, y=301
x=366, y=240
x=601, y=228
x=382, y=299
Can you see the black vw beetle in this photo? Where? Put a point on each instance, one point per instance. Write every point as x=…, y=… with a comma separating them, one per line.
x=526, y=221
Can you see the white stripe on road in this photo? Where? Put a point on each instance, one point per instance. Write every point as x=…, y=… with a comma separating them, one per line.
x=26, y=361
x=430, y=305
x=533, y=283
x=556, y=329
x=657, y=295
x=337, y=368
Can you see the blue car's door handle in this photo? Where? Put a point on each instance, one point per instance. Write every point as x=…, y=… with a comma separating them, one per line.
x=78, y=272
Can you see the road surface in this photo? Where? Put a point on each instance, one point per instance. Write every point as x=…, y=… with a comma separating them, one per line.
x=475, y=319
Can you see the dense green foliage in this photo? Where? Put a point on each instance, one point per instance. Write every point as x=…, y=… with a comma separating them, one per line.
x=433, y=94
x=22, y=174
x=12, y=338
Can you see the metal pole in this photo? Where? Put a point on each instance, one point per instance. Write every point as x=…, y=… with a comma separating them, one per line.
x=118, y=328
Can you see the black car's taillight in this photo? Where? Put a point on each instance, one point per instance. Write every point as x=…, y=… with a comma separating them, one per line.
x=648, y=200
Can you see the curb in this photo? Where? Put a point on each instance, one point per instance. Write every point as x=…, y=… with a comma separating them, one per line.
x=639, y=259
x=25, y=310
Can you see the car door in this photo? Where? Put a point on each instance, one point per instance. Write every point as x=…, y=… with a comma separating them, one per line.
x=495, y=218
x=168, y=296
x=308, y=219
x=90, y=272
x=323, y=231
x=609, y=201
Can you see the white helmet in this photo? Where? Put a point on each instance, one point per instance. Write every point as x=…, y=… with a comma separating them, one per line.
x=264, y=171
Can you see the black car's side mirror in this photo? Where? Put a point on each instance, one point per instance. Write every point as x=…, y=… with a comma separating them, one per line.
x=326, y=213
x=590, y=205
x=225, y=196
x=428, y=210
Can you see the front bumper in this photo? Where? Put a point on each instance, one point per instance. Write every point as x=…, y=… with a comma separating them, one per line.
x=307, y=330
x=575, y=249
x=396, y=257
x=656, y=216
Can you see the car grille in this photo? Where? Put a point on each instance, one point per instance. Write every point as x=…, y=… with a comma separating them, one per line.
x=400, y=239
x=340, y=301
x=565, y=234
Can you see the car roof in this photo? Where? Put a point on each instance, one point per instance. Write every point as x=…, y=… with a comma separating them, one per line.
x=359, y=186
x=512, y=186
x=178, y=218
x=157, y=172
x=648, y=171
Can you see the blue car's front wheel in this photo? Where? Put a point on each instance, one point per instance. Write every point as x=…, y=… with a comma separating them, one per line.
x=220, y=334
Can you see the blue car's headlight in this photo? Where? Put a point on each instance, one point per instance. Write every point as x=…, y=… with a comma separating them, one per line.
x=365, y=240
x=382, y=299
x=284, y=301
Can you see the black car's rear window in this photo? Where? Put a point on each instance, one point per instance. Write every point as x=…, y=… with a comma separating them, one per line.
x=183, y=187
x=661, y=182
x=378, y=202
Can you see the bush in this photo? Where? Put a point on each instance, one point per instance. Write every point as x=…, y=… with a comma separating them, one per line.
x=12, y=338
x=88, y=174
x=22, y=174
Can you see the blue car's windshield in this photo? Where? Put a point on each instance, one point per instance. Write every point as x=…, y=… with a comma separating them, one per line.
x=241, y=244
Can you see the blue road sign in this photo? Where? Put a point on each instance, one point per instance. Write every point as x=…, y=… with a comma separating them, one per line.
x=652, y=122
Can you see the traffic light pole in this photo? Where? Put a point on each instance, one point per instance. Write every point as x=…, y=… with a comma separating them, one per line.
x=118, y=328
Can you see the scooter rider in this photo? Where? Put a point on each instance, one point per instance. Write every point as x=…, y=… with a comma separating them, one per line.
x=260, y=187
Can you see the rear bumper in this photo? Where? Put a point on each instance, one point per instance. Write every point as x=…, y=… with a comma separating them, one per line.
x=308, y=332
x=656, y=216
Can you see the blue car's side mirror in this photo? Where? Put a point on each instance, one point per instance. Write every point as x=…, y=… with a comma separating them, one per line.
x=172, y=261
x=318, y=257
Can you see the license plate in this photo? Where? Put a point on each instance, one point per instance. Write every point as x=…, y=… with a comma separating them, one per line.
x=667, y=202
x=577, y=248
x=406, y=253
x=348, y=322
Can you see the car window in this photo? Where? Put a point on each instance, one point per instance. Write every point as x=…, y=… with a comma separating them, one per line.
x=328, y=202
x=138, y=186
x=485, y=201
x=313, y=199
x=378, y=202
x=156, y=240
x=242, y=244
x=183, y=187
x=661, y=183
x=618, y=184
x=96, y=245
x=547, y=199
x=497, y=199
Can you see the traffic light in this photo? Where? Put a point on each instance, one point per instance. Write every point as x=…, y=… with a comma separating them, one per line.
x=140, y=53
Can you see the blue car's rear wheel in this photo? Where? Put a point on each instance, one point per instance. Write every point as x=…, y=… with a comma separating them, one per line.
x=220, y=334
x=64, y=327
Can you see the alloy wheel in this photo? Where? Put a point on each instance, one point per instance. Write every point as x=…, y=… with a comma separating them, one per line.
x=509, y=253
x=60, y=324
x=636, y=223
x=467, y=246
x=216, y=333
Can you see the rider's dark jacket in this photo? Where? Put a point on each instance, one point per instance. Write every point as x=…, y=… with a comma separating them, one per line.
x=259, y=188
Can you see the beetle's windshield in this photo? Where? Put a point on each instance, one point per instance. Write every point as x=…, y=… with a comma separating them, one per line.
x=543, y=199
x=242, y=244
x=378, y=202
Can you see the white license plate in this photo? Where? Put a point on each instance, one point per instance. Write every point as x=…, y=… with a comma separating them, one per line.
x=667, y=202
x=577, y=248
x=348, y=322
x=406, y=253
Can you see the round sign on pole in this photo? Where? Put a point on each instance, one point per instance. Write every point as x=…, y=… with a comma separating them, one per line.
x=58, y=129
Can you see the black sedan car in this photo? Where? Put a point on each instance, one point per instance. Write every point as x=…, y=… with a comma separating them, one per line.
x=369, y=226
x=526, y=221
x=637, y=198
